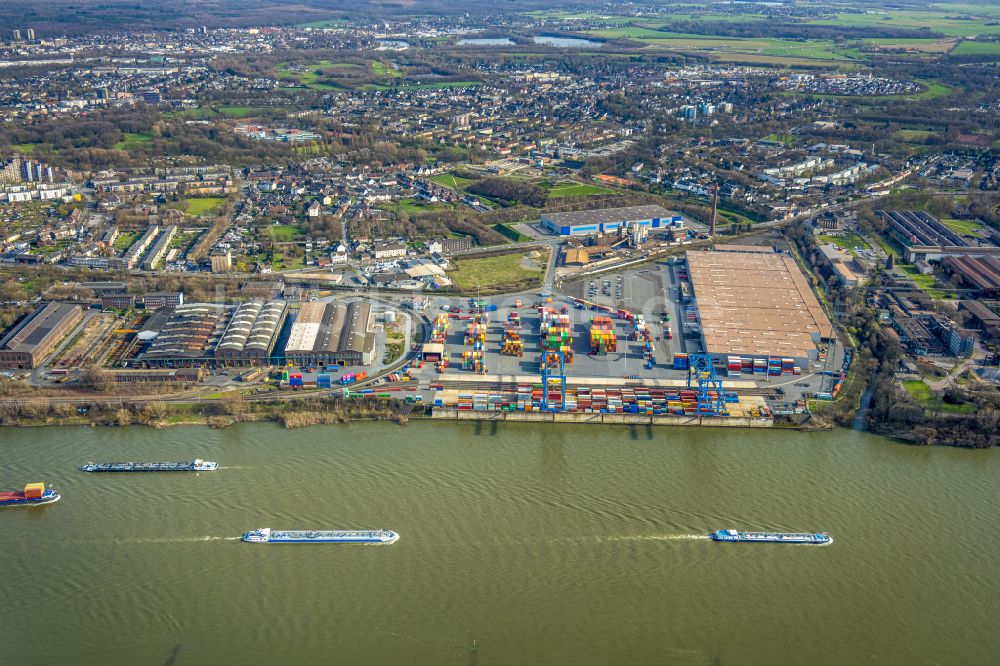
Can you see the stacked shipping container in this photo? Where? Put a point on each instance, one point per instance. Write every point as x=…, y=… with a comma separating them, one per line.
x=602, y=336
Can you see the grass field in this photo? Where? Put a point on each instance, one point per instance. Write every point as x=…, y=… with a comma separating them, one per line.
x=786, y=139
x=311, y=75
x=124, y=240
x=134, y=139
x=845, y=241
x=977, y=48
x=382, y=70
x=964, y=227
x=411, y=206
x=284, y=233
x=922, y=392
x=491, y=272
x=451, y=180
x=576, y=190
x=24, y=148
x=202, y=205
x=914, y=136
x=926, y=283
x=511, y=233
x=422, y=86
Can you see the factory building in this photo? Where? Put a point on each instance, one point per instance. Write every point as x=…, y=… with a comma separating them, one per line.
x=33, y=339
x=187, y=335
x=756, y=305
x=155, y=300
x=924, y=238
x=982, y=274
x=252, y=333
x=609, y=220
x=331, y=333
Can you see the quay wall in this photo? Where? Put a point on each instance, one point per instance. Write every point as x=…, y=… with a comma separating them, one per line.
x=603, y=419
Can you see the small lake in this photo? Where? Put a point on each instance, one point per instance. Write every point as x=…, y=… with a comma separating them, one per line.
x=566, y=42
x=486, y=41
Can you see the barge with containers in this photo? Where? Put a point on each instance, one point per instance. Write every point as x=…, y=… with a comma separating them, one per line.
x=267, y=535
x=32, y=495
x=818, y=538
x=197, y=465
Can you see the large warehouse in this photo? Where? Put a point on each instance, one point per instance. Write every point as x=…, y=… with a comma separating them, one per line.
x=756, y=305
x=187, y=336
x=28, y=343
x=331, y=333
x=609, y=220
x=252, y=333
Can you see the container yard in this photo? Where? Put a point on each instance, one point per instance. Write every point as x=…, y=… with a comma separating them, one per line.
x=602, y=336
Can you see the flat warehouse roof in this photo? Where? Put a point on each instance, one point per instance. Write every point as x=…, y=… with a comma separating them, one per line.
x=759, y=304
x=607, y=215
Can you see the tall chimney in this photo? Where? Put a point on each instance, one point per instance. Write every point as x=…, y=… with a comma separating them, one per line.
x=715, y=210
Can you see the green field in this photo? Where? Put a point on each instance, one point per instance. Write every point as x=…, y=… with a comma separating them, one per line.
x=208, y=113
x=24, y=148
x=977, y=48
x=926, y=283
x=846, y=241
x=312, y=75
x=922, y=393
x=511, y=233
x=576, y=190
x=451, y=180
x=281, y=262
x=786, y=139
x=914, y=136
x=284, y=233
x=124, y=240
x=963, y=227
x=382, y=70
x=202, y=205
x=134, y=139
x=422, y=86
x=491, y=272
x=412, y=206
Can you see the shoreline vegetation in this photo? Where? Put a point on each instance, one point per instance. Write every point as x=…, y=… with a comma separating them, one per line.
x=111, y=411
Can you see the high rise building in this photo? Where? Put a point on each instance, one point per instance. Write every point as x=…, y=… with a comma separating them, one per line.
x=15, y=36
x=31, y=34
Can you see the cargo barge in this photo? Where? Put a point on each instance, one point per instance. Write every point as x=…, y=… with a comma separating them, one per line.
x=197, y=465
x=267, y=535
x=819, y=539
x=32, y=495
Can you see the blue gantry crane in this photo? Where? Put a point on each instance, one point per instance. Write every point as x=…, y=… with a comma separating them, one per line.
x=553, y=370
x=701, y=372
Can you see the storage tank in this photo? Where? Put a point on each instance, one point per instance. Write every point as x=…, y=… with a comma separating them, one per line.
x=390, y=317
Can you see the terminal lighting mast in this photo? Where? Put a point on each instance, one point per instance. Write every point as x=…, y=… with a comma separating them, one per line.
x=702, y=372
x=550, y=366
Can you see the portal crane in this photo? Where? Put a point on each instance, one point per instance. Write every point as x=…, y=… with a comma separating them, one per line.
x=701, y=371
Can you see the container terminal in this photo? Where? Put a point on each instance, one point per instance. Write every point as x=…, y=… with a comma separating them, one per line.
x=32, y=495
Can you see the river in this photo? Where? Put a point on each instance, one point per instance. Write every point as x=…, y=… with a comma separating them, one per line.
x=536, y=545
